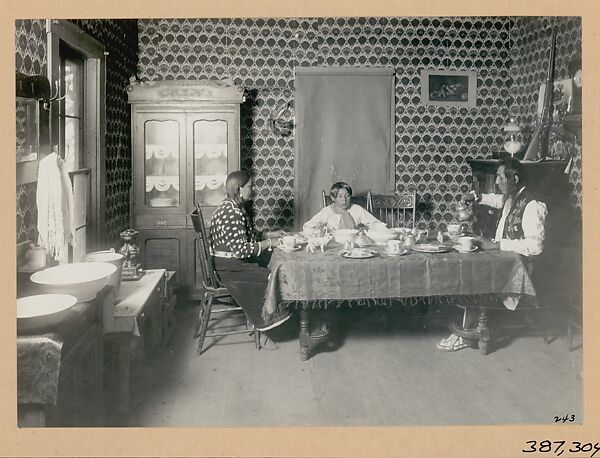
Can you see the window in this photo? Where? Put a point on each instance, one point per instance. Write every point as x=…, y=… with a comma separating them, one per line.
x=76, y=68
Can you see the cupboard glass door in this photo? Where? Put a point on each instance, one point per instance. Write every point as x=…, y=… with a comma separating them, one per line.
x=214, y=156
x=162, y=187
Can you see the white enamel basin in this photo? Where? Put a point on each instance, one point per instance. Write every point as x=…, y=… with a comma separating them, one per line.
x=110, y=257
x=43, y=311
x=80, y=279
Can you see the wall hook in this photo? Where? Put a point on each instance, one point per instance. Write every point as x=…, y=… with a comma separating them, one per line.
x=53, y=98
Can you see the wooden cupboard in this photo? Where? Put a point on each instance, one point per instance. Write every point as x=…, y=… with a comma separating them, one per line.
x=186, y=139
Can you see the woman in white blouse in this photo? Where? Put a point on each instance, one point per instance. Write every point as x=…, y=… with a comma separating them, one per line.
x=342, y=213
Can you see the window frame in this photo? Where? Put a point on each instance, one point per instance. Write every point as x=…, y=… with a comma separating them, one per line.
x=94, y=129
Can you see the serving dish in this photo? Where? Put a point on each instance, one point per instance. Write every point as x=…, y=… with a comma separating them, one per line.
x=358, y=253
x=430, y=248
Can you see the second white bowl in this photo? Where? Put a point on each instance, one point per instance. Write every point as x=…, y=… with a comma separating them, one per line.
x=80, y=279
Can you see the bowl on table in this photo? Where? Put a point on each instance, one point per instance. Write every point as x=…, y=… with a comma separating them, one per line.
x=380, y=235
x=117, y=259
x=344, y=235
x=80, y=279
x=42, y=311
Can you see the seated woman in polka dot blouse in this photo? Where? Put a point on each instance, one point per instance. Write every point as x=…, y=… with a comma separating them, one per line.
x=237, y=248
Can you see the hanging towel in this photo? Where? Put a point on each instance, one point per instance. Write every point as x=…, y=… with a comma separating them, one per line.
x=55, y=204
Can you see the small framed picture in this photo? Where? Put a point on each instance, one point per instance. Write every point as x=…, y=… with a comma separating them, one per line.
x=449, y=87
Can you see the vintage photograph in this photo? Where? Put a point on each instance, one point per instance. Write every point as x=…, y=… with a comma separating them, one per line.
x=457, y=88
x=298, y=222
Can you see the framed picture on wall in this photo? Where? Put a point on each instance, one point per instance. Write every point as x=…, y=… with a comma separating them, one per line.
x=449, y=87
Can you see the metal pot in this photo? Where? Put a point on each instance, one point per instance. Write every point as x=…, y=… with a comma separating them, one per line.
x=464, y=212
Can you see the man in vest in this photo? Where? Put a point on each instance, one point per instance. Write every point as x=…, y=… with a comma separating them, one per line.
x=521, y=229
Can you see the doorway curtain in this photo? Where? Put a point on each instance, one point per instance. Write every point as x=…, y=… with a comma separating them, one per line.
x=344, y=132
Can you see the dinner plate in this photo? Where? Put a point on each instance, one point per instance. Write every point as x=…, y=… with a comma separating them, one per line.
x=404, y=251
x=296, y=248
x=429, y=248
x=460, y=250
x=358, y=254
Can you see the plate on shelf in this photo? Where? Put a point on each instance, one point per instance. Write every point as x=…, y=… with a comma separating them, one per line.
x=358, y=253
x=460, y=250
x=286, y=250
x=430, y=248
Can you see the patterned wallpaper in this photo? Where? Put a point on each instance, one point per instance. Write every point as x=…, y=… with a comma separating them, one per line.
x=530, y=43
x=30, y=59
x=120, y=39
x=432, y=143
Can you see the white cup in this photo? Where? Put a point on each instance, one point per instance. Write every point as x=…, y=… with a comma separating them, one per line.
x=394, y=246
x=288, y=242
x=465, y=243
x=453, y=229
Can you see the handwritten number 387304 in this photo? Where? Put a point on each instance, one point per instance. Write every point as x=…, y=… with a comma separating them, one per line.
x=557, y=447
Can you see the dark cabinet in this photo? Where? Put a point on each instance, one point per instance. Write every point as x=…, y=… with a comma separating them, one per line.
x=557, y=272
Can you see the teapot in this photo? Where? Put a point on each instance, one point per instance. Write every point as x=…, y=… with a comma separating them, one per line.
x=464, y=212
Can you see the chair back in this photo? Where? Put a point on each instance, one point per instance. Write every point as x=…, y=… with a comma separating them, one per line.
x=396, y=210
x=358, y=200
x=209, y=276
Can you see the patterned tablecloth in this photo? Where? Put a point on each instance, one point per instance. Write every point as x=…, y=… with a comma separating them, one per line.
x=314, y=279
x=39, y=356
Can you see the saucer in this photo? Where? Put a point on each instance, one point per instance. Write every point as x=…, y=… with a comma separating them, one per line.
x=460, y=250
x=296, y=248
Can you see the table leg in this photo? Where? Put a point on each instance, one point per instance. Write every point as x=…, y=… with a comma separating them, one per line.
x=483, y=331
x=304, y=335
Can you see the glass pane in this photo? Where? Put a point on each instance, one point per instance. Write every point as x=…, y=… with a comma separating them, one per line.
x=210, y=161
x=161, y=143
x=73, y=86
x=71, y=142
x=27, y=129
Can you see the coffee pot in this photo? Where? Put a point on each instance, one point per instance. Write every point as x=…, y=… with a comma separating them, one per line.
x=464, y=211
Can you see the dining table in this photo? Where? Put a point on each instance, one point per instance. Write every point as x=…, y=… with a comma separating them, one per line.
x=309, y=280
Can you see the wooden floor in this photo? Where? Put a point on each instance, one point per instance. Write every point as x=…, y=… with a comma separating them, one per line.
x=381, y=369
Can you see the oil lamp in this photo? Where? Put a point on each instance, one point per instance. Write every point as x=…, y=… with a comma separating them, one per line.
x=512, y=146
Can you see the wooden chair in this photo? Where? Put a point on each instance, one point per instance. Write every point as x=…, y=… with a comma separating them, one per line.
x=214, y=290
x=358, y=200
x=394, y=210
